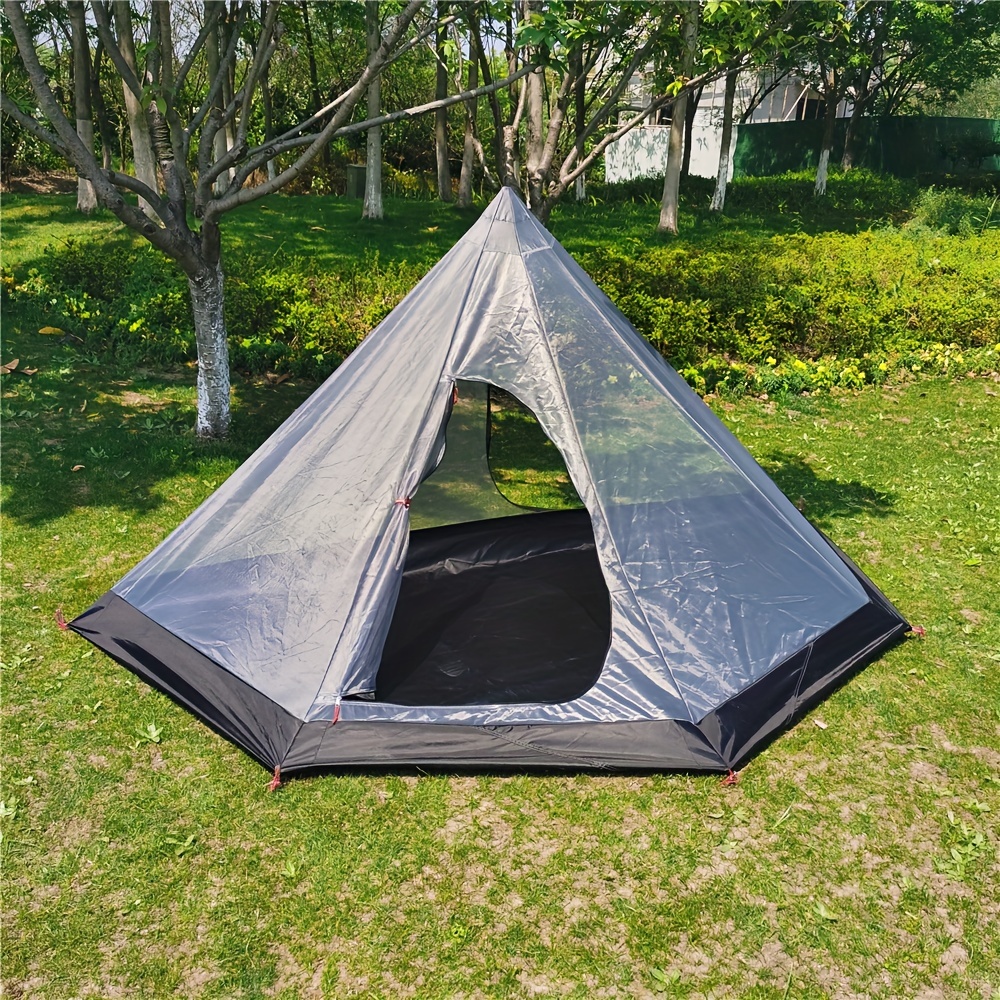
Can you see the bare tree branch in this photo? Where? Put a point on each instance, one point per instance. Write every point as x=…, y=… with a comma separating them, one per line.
x=82, y=158
x=225, y=64
x=196, y=46
x=35, y=128
x=269, y=151
x=236, y=195
x=102, y=17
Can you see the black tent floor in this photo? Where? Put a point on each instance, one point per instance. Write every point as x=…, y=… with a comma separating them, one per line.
x=484, y=616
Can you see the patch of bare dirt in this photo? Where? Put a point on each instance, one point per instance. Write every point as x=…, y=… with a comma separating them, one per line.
x=38, y=183
x=293, y=975
x=954, y=960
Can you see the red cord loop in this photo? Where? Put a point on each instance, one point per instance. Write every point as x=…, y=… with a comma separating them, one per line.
x=405, y=501
x=60, y=621
x=275, y=782
x=732, y=778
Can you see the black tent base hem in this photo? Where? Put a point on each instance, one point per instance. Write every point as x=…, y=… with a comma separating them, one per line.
x=723, y=740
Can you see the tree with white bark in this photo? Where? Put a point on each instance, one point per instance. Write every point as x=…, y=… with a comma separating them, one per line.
x=86, y=199
x=207, y=159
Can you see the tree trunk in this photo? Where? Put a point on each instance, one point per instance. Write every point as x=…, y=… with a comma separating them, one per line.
x=265, y=100
x=672, y=174
x=101, y=111
x=847, y=161
x=213, y=350
x=142, y=141
x=469, y=145
x=579, y=119
x=722, y=178
x=826, y=145
x=373, y=171
x=509, y=165
x=692, y=110
x=86, y=199
x=441, y=115
x=535, y=144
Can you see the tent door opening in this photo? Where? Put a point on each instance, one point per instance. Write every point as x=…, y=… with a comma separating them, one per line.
x=507, y=606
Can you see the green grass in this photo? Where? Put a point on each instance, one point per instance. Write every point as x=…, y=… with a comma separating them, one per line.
x=857, y=856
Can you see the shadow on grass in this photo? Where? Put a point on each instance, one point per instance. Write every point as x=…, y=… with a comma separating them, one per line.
x=824, y=500
x=81, y=437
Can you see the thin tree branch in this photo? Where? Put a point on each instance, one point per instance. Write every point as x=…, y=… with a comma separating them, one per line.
x=236, y=195
x=264, y=153
x=445, y=102
x=34, y=127
x=265, y=50
x=225, y=64
x=102, y=17
x=196, y=47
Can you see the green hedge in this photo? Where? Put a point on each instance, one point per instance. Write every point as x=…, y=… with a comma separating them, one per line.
x=808, y=296
x=733, y=311
x=123, y=298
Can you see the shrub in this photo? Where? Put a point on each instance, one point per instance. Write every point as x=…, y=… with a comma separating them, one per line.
x=123, y=298
x=803, y=296
x=734, y=312
x=947, y=210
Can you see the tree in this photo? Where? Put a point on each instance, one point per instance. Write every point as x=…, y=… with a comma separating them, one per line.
x=619, y=40
x=202, y=181
x=86, y=200
x=718, y=202
x=672, y=174
x=889, y=57
x=373, y=156
x=441, y=115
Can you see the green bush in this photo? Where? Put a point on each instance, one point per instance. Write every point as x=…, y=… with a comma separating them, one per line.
x=733, y=311
x=123, y=298
x=947, y=210
x=840, y=295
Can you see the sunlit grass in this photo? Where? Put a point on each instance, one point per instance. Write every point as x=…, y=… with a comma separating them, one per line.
x=857, y=856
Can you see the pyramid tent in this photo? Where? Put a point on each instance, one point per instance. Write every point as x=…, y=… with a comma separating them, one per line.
x=681, y=618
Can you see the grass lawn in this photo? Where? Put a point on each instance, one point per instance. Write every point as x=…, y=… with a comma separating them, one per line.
x=144, y=857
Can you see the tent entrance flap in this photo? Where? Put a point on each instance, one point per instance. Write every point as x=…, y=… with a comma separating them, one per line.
x=504, y=611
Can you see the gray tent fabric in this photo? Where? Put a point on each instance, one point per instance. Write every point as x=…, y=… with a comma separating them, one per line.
x=287, y=577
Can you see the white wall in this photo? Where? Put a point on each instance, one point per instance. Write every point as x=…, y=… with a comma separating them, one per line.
x=643, y=153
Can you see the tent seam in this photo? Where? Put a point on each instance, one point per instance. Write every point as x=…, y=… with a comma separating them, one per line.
x=586, y=462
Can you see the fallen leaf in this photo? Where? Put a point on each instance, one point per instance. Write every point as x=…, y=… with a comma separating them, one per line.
x=51, y=331
x=317, y=229
x=820, y=723
x=77, y=468
x=9, y=366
